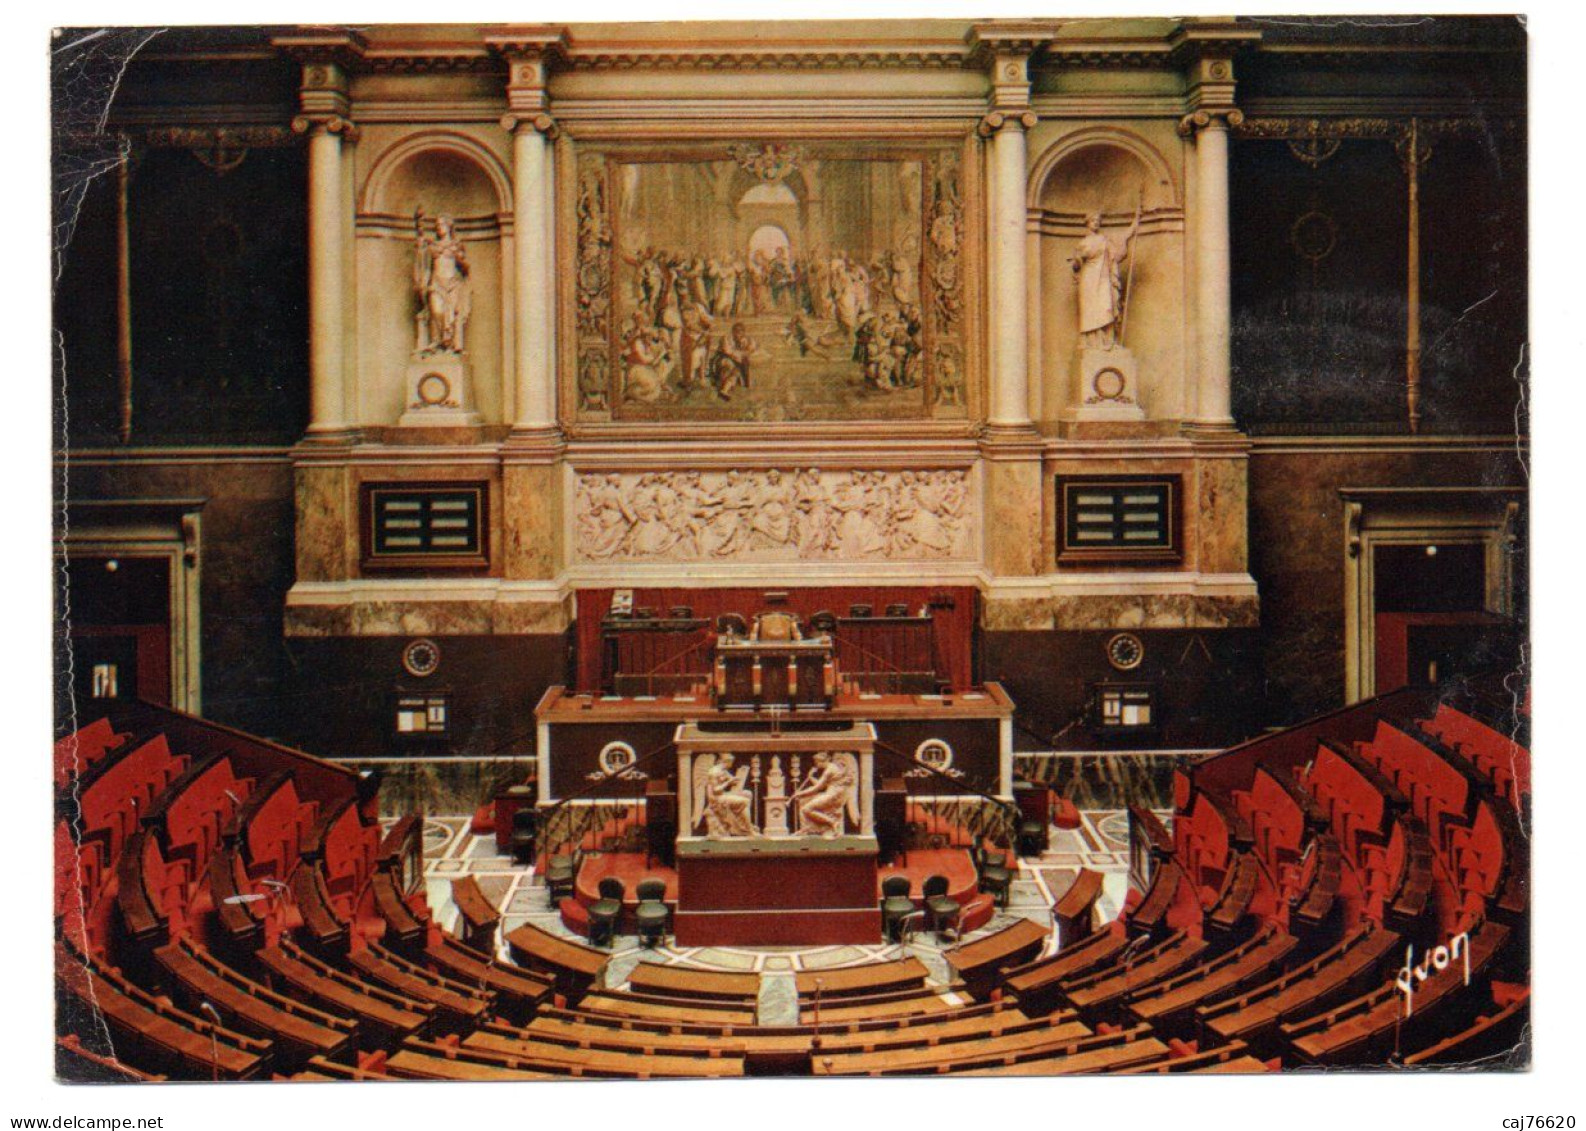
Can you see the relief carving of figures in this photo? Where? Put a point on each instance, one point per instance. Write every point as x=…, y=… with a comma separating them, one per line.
x=721, y=799
x=829, y=793
x=440, y=275
x=773, y=515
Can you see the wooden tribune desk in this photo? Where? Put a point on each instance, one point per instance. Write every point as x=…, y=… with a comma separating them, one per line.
x=799, y=674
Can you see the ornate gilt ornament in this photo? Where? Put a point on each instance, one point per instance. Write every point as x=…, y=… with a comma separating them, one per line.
x=772, y=515
x=770, y=161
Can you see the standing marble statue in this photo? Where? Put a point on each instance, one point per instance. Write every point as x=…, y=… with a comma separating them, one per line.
x=1096, y=263
x=440, y=274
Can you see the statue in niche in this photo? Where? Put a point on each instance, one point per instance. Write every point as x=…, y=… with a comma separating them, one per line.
x=720, y=795
x=830, y=792
x=440, y=275
x=1097, y=264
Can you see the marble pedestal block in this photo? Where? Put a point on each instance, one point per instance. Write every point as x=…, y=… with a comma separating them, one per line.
x=1106, y=385
x=440, y=392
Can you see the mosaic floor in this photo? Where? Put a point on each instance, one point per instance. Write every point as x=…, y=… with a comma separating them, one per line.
x=1101, y=843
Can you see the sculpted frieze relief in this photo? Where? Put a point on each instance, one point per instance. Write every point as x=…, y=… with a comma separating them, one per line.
x=803, y=514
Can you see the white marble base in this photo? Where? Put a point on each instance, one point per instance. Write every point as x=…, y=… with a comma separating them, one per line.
x=440, y=393
x=1106, y=386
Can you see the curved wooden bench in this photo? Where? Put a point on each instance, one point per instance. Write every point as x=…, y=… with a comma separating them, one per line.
x=981, y=963
x=158, y=1036
x=1159, y=1003
x=1233, y=900
x=1231, y=1059
x=1368, y=1026
x=867, y=979
x=476, y=915
x=1326, y=876
x=1099, y=990
x=320, y=922
x=1497, y=1034
x=574, y=967
x=403, y=929
x=696, y=1012
x=383, y=1017
x=705, y=985
x=299, y=1031
x=75, y=1062
x=1036, y=984
x=457, y=1006
x=518, y=992
x=1074, y=913
x=1327, y=977
x=520, y=1047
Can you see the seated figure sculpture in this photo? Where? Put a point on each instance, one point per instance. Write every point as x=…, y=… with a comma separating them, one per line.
x=824, y=796
x=728, y=807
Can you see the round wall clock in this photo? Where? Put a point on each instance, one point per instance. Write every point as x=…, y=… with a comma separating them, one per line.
x=1125, y=651
x=420, y=658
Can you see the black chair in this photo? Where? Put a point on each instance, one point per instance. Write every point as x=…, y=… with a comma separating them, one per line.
x=899, y=610
x=1032, y=837
x=942, y=913
x=731, y=624
x=681, y=612
x=861, y=610
x=525, y=829
x=895, y=905
x=996, y=878
x=560, y=872
x=824, y=622
x=605, y=911
x=652, y=914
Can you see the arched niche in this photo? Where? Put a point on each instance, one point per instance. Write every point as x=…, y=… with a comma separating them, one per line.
x=1113, y=172
x=1102, y=170
x=444, y=173
x=438, y=173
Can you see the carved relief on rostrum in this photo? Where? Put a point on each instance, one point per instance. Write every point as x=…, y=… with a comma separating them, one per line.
x=803, y=514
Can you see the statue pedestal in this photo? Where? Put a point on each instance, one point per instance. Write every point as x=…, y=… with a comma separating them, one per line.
x=440, y=393
x=1106, y=386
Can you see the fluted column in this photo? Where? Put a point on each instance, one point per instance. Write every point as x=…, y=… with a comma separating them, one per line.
x=1010, y=377
x=326, y=258
x=1213, y=265
x=535, y=277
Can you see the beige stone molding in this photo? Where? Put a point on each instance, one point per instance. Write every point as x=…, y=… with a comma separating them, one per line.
x=1093, y=602
x=774, y=515
x=916, y=55
x=1226, y=118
